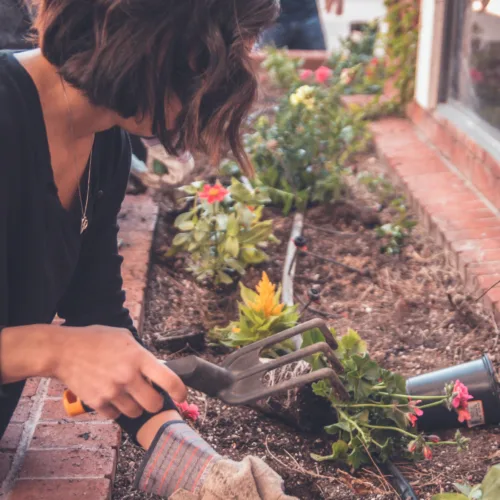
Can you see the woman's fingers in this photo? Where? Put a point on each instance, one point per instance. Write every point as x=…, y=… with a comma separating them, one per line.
x=156, y=371
x=108, y=411
x=128, y=406
x=147, y=397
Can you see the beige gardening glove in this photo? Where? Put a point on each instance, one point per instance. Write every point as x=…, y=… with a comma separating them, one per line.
x=250, y=479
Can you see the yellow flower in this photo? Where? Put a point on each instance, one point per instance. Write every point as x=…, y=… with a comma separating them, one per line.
x=236, y=330
x=267, y=300
x=303, y=95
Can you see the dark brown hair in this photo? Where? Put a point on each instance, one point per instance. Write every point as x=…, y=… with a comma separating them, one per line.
x=132, y=56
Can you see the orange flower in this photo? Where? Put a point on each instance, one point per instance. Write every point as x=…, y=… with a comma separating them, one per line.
x=267, y=301
x=213, y=193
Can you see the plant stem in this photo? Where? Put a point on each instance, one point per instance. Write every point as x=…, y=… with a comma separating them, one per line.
x=353, y=423
x=390, y=428
x=430, y=405
x=369, y=405
x=441, y=443
x=407, y=396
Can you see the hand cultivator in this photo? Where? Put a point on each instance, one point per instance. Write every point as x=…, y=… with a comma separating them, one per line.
x=240, y=378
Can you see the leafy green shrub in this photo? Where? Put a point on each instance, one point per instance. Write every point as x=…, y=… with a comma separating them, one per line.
x=281, y=68
x=223, y=231
x=301, y=153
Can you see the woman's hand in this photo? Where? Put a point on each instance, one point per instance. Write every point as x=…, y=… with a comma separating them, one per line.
x=109, y=371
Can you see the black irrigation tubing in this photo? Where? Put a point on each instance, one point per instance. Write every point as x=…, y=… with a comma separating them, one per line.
x=398, y=481
x=335, y=262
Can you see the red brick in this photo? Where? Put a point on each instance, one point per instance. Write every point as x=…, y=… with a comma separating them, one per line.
x=62, y=489
x=465, y=221
x=473, y=234
x=71, y=434
x=53, y=410
x=5, y=462
x=22, y=411
x=49, y=464
x=476, y=245
x=56, y=388
x=12, y=436
x=31, y=387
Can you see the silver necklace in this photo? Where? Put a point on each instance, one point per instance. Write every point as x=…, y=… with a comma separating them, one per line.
x=84, y=224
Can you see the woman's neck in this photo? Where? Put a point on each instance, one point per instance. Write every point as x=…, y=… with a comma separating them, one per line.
x=58, y=108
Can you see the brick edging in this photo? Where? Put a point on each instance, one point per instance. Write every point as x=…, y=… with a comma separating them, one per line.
x=449, y=206
x=46, y=456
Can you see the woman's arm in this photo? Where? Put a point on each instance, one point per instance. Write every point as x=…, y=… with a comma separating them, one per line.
x=104, y=366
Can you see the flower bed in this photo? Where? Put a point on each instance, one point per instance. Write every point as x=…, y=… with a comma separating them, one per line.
x=412, y=313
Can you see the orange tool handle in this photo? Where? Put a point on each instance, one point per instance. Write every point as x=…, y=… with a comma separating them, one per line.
x=73, y=406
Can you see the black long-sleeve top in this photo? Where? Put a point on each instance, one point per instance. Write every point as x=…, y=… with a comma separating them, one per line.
x=46, y=266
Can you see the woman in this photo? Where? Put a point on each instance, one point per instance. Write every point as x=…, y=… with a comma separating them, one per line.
x=179, y=70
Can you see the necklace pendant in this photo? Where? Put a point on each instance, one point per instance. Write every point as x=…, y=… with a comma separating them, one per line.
x=84, y=225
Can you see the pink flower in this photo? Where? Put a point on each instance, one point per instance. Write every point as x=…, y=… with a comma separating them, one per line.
x=412, y=419
x=412, y=446
x=323, y=74
x=461, y=395
x=427, y=452
x=433, y=438
x=412, y=405
x=188, y=411
x=346, y=76
x=305, y=74
x=463, y=415
x=213, y=193
x=476, y=75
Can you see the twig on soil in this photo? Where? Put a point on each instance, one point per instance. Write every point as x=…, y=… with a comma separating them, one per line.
x=330, y=231
x=486, y=291
x=317, y=311
x=335, y=262
x=381, y=475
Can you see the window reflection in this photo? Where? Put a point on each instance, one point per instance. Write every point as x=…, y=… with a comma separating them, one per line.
x=477, y=75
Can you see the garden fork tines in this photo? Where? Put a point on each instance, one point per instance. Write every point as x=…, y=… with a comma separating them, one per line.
x=248, y=368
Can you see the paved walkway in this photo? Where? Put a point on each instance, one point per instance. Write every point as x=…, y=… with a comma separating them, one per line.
x=45, y=456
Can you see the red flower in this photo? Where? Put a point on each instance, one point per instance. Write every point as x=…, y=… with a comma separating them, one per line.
x=427, y=452
x=413, y=406
x=463, y=414
x=323, y=74
x=412, y=419
x=476, y=75
x=433, y=438
x=461, y=395
x=460, y=400
x=412, y=446
x=213, y=193
x=305, y=74
x=188, y=411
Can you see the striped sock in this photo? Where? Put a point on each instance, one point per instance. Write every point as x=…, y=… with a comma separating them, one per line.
x=177, y=459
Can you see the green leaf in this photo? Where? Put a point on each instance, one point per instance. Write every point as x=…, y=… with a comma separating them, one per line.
x=351, y=343
x=239, y=192
x=339, y=452
x=222, y=221
x=248, y=296
x=186, y=216
x=233, y=228
x=312, y=337
x=181, y=239
x=232, y=246
x=186, y=225
x=491, y=484
x=342, y=426
x=465, y=489
x=224, y=278
x=258, y=233
x=358, y=456
x=252, y=255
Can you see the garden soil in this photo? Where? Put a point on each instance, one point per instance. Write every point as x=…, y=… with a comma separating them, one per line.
x=411, y=309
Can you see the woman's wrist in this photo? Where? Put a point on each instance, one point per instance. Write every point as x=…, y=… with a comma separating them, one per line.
x=30, y=351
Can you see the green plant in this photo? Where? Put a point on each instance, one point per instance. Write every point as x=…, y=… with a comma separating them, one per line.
x=378, y=419
x=223, y=231
x=489, y=489
x=401, y=43
x=394, y=234
x=261, y=314
x=281, y=68
x=303, y=149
